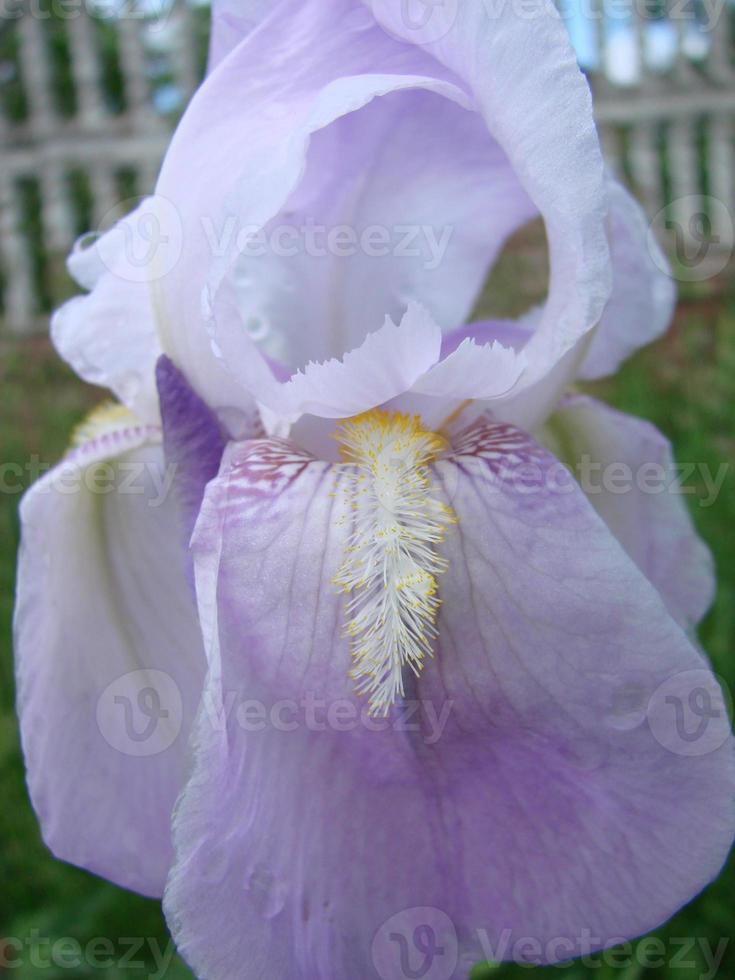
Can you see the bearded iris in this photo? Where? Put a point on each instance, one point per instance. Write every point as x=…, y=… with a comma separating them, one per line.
x=413, y=568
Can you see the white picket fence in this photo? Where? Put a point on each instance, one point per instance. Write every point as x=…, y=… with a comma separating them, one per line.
x=665, y=107
x=99, y=152
x=667, y=123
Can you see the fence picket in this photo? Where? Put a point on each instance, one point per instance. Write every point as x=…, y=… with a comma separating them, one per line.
x=645, y=165
x=36, y=76
x=86, y=71
x=20, y=308
x=133, y=64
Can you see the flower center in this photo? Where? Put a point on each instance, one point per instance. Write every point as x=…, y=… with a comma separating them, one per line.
x=391, y=560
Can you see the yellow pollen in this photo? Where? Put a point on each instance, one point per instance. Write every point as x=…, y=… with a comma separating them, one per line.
x=104, y=418
x=391, y=561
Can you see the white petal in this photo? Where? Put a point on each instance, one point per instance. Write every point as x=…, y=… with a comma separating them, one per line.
x=109, y=657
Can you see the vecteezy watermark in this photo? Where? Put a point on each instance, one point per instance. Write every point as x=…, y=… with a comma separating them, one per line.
x=427, y=21
x=688, y=713
x=140, y=713
x=425, y=242
x=416, y=943
x=140, y=240
x=701, y=231
x=103, y=478
x=699, y=481
x=686, y=952
x=98, y=953
x=424, y=719
x=422, y=943
x=650, y=478
x=418, y=21
x=705, y=14
x=526, y=477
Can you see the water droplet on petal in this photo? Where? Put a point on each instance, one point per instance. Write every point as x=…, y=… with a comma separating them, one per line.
x=268, y=894
x=257, y=327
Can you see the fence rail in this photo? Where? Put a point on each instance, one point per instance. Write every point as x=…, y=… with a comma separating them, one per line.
x=87, y=105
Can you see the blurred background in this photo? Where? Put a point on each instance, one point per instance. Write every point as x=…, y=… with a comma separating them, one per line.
x=89, y=93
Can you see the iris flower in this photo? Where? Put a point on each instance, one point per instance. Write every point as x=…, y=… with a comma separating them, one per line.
x=396, y=661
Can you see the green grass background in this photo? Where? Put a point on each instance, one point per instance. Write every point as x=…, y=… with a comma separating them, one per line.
x=684, y=384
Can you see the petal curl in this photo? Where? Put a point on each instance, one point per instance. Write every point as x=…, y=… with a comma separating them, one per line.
x=388, y=362
x=107, y=644
x=548, y=805
x=485, y=361
x=544, y=122
x=633, y=486
x=643, y=298
x=482, y=362
x=110, y=337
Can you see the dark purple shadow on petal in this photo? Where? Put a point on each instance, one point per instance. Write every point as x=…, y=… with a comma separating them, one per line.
x=193, y=441
x=509, y=333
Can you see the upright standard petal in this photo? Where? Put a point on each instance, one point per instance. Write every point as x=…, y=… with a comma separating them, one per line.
x=235, y=162
x=627, y=470
x=109, y=655
x=450, y=150
x=543, y=120
x=538, y=799
x=407, y=197
x=232, y=20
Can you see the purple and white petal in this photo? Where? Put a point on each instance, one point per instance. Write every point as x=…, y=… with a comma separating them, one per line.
x=272, y=529
x=564, y=744
x=232, y=20
x=234, y=163
x=543, y=120
x=110, y=337
x=405, y=198
x=544, y=793
x=643, y=298
x=450, y=148
x=631, y=481
x=109, y=656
